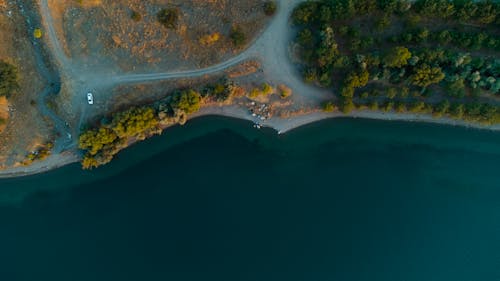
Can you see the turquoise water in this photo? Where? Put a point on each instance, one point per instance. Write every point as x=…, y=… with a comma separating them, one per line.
x=218, y=200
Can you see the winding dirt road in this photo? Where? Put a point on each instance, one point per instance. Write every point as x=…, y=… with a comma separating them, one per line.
x=272, y=48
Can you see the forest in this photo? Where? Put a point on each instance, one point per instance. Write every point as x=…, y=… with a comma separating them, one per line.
x=436, y=57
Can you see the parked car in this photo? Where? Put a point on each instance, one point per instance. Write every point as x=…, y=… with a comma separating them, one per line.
x=90, y=98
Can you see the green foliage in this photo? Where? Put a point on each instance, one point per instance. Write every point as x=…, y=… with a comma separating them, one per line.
x=270, y=8
x=188, y=101
x=397, y=57
x=328, y=106
x=425, y=75
x=305, y=13
x=441, y=108
x=134, y=122
x=238, y=37
x=168, y=17
x=135, y=16
x=383, y=22
x=102, y=143
x=347, y=106
x=406, y=59
x=8, y=79
x=456, y=88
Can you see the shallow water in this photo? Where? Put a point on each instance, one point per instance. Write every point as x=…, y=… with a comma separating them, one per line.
x=219, y=200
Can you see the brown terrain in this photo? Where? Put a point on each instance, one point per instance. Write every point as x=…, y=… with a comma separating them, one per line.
x=26, y=128
x=98, y=32
x=98, y=47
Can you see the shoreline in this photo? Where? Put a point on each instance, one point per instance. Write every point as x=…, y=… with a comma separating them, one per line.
x=281, y=125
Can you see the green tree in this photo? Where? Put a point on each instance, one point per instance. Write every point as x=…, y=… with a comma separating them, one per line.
x=8, y=79
x=135, y=16
x=237, y=36
x=456, y=88
x=425, y=75
x=188, y=101
x=270, y=8
x=168, y=17
x=397, y=57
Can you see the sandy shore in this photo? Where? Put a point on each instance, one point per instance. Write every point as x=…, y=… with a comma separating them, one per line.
x=50, y=163
x=281, y=125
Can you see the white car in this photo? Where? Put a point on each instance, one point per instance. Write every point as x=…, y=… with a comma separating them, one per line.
x=90, y=98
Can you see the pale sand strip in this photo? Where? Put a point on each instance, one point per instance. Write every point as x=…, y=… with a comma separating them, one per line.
x=281, y=125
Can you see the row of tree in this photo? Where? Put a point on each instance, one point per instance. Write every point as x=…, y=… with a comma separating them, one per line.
x=101, y=142
x=482, y=113
x=464, y=11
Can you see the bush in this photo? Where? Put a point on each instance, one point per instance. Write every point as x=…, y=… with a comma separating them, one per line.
x=8, y=79
x=328, y=106
x=135, y=16
x=168, y=17
x=284, y=91
x=270, y=8
x=237, y=36
x=188, y=101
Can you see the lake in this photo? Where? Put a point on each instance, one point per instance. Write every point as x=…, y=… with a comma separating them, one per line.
x=340, y=199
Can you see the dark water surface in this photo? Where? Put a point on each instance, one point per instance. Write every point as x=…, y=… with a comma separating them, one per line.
x=217, y=200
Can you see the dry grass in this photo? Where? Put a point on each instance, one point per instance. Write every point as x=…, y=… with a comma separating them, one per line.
x=26, y=127
x=104, y=30
x=4, y=113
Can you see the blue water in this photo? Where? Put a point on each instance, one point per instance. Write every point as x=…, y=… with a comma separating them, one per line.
x=218, y=200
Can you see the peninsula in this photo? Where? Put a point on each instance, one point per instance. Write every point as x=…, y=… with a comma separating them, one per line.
x=82, y=80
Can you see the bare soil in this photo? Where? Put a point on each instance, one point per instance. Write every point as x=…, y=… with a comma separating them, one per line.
x=26, y=127
x=103, y=32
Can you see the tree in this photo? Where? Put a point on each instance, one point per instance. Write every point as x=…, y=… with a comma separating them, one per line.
x=305, y=13
x=238, y=36
x=457, y=110
x=135, y=16
x=425, y=75
x=168, y=17
x=397, y=57
x=188, y=101
x=328, y=106
x=382, y=23
x=456, y=88
x=8, y=79
x=441, y=108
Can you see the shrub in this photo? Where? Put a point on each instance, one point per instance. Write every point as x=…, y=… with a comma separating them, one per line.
x=270, y=8
x=237, y=36
x=397, y=57
x=168, y=17
x=210, y=39
x=8, y=79
x=135, y=16
x=188, y=101
x=328, y=106
x=284, y=91
x=37, y=33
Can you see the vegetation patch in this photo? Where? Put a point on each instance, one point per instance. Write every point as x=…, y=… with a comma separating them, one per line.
x=168, y=17
x=427, y=56
x=8, y=79
x=270, y=8
x=238, y=37
x=100, y=143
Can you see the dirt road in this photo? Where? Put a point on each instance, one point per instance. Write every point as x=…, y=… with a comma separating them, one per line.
x=272, y=47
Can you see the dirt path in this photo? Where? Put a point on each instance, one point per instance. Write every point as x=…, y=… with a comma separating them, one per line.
x=52, y=79
x=271, y=47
